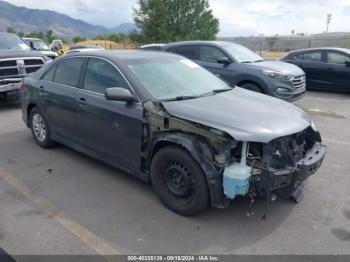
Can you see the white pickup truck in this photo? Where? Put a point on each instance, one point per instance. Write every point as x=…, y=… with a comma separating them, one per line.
x=16, y=61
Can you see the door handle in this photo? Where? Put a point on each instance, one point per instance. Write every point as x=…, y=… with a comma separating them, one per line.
x=82, y=101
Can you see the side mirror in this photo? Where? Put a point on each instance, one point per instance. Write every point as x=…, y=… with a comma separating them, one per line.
x=347, y=63
x=224, y=60
x=119, y=94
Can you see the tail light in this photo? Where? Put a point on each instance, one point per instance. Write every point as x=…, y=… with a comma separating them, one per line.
x=20, y=86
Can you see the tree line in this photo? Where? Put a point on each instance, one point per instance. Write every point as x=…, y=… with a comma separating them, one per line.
x=158, y=21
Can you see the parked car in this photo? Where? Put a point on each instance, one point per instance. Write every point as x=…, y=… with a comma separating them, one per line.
x=80, y=47
x=153, y=47
x=83, y=48
x=55, y=44
x=37, y=44
x=16, y=61
x=240, y=66
x=196, y=139
x=325, y=68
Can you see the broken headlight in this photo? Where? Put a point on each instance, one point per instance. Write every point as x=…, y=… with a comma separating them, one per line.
x=313, y=126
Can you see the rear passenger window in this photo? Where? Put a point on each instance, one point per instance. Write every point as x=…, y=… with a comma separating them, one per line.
x=68, y=71
x=188, y=51
x=310, y=56
x=50, y=74
x=101, y=74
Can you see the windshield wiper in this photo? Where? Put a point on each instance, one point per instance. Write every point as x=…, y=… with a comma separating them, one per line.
x=222, y=90
x=178, y=98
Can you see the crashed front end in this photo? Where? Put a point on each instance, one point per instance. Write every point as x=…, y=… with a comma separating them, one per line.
x=282, y=165
x=232, y=167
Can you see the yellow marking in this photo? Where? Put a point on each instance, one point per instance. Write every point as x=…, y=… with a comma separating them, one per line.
x=328, y=113
x=81, y=232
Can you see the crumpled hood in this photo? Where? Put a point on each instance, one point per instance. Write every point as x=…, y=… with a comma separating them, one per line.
x=279, y=66
x=245, y=115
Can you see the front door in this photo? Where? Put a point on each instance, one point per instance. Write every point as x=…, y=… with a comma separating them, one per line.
x=338, y=71
x=208, y=58
x=110, y=128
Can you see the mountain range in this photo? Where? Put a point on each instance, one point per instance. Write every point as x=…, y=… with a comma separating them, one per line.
x=23, y=19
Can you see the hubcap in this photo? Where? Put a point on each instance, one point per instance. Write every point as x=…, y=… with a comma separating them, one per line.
x=178, y=180
x=39, y=127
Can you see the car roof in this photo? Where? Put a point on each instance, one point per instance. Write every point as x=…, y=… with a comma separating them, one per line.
x=126, y=54
x=321, y=49
x=198, y=42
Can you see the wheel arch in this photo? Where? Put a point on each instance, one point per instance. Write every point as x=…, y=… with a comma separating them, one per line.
x=30, y=107
x=202, y=153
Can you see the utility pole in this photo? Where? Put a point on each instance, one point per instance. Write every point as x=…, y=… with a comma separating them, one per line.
x=328, y=21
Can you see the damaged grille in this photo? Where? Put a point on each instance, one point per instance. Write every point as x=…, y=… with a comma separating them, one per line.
x=287, y=151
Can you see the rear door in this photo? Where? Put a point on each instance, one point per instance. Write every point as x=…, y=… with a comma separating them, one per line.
x=314, y=65
x=112, y=129
x=338, y=72
x=58, y=92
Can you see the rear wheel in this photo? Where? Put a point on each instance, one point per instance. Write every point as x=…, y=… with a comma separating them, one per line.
x=40, y=129
x=252, y=87
x=179, y=181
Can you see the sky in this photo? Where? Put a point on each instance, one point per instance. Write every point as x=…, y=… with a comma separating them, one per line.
x=237, y=17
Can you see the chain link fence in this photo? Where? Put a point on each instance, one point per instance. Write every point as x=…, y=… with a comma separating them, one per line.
x=288, y=43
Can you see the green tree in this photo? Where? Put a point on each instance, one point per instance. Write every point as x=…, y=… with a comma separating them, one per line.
x=174, y=20
x=78, y=39
x=10, y=30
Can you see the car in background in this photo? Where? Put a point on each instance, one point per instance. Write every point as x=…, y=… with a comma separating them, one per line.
x=153, y=47
x=38, y=44
x=83, y=48
x=80, y=47
x=167, y=120
x=325, y=68
x=55, y=44
x=239, y=66
x=16, y=61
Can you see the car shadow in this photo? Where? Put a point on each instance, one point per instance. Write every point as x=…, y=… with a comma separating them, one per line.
x=125, y=212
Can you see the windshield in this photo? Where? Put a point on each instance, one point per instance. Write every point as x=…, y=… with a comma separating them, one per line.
x=175, y=78
x=38, y=45
x=241, y=53
x=12, y=42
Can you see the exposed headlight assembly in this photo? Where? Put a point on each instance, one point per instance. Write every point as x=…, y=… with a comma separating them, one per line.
x=277, y=75
x=313, y=126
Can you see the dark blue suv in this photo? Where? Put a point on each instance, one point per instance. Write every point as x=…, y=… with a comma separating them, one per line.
x=240, y=66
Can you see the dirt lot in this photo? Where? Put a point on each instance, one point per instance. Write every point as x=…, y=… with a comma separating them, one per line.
x=58, y=201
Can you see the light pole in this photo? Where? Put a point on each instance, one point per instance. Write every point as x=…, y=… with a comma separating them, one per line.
x=328, y=21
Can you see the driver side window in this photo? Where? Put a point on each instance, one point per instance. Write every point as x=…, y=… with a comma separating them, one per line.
x=100, y=75
x=210, y=54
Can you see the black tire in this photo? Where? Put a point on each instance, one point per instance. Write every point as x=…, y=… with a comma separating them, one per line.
x=43, y=140
x=252, y=87
x=179, y=181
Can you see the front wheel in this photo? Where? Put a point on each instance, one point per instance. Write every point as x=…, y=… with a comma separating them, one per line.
x=40, y=129
x=179, y=181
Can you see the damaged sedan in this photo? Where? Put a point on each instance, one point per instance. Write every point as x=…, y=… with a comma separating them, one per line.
x=170, y=122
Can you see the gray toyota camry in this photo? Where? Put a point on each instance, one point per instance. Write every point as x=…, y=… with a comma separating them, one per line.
x=166, y=120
